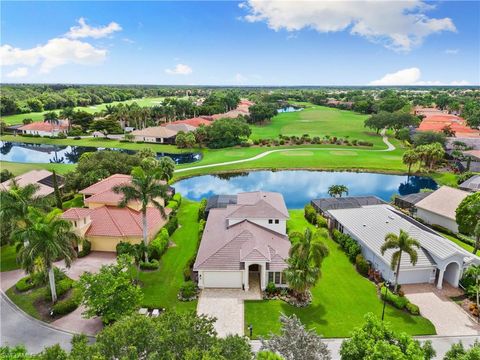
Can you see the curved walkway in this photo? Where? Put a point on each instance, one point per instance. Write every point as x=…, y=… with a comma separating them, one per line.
x=390, y=147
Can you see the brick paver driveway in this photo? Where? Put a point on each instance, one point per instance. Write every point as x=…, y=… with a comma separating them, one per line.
x=226, y=305
x=435, y=305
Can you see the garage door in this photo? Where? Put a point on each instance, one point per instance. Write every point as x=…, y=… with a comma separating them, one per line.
x=222, y=279
x=414, y=276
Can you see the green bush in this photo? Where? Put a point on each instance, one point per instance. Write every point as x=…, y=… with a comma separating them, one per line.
x=178, y=198
x=188, y=289
x=201, y=209
x=61, y=287
x=310, y=214
x=187, y=270
x=86, y=248
x=412, y=309
x=124, y=248
x=362, y=265
x=322, y=222
x=336, y=235
x=171, y=225
x=271, y=288
x=400, y=302
x=62, y=135
x=25, y=284
x=172, y=204
x=201, y=228
x=153, y=264
x=352, y=248
x=159, y=245
x=69, y=304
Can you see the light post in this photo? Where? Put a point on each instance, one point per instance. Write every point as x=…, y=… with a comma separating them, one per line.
x=385, y=298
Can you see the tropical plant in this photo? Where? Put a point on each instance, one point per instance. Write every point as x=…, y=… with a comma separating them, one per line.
x=474, y=272
x=401, y=243
x=46, y=237
x=410, y=158
x=147, y=189
x=166, y=167
x=337, y=190
x=467, y=216
x=51, y=117
x=306, y=255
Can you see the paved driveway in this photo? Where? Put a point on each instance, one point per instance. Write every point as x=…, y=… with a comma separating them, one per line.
x=92, y=263
x=448, y=317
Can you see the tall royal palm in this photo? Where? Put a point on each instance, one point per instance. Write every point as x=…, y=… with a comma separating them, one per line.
x=49, y=238
x=147, y=189
x=306, y=256
x=402, y=243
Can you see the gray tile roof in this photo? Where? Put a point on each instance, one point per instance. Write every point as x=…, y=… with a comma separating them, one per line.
x=414, y=198
x=220, y=201
x=443, y=201
x=370, y=224
x=472, y=184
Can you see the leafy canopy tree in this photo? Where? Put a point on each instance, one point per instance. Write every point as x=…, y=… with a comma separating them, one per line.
x=402, y=243
x=261, y=112
x=428, y=137
x=46, y=237
x=306, y=257
x=146, y=188
x=268, y=355
x=295, y=342
x=337, y=190
x=458, y=352
x=110, y=293
x=227, y=132
x=467, y=216
x=376, y=340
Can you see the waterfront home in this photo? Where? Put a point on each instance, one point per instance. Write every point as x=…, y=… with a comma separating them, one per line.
x=155, y=134
x=245, y=243
x=42, y=178
x=44, y=128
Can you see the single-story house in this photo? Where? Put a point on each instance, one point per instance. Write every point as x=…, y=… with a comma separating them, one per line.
x=244, y=243
x=180, y=127
x=439, y=259
x=472, y=184
x=155, y=134
x=42, y=178
x=105, y=224
x=44, y=128
x=439, y=207
x=407, y=202
x=323, y=205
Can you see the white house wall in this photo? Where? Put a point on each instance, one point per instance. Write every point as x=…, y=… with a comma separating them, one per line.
x=435, y=219
x=220, y=279
x=417, y=276
x=280, y=228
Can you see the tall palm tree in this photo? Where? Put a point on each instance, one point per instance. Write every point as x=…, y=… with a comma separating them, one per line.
x=337, y=190
x=474, y=271
x=306, y=256
x=146, y=188
x=67, y=114
x=166, y=167
x=410, y=158
x=47, y=238
x=402, y=243
x=51, y=117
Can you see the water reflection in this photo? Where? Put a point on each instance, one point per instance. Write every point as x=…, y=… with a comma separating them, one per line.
x=289, y=109
x=44, y=153
x=299, y=187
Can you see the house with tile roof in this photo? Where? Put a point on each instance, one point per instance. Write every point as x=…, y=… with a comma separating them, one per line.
x=244, y=243
x=155, y=134
x=44, y=128
x=42, y=178
x=105, y=224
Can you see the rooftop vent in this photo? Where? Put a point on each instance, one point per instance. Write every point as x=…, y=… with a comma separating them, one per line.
x=364, y=225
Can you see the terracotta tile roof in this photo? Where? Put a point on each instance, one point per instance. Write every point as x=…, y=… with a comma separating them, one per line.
x=436, y=122
x=197, y=121
x=155, y=131
x=76, y=213
x=44, y=126
x=180, y=127
x=443, y=201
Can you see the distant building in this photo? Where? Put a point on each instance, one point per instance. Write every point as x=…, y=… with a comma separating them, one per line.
x=42, y=178
x=155, y=134
x=44, y=128
x=472, y=184
x=407, y=202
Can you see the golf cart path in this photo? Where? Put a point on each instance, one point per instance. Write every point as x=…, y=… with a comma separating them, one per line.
x=390, y=147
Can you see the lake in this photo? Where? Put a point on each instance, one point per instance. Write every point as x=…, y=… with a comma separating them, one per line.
x=289, y=109
x=299, y=187
x=42, y=153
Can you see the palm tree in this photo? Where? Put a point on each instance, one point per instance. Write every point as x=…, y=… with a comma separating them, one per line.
x=401, y=243
x=474, y=271
x=166, y=167
x=306, y=256
x=50, y=117
x=146, y=188
x=410, y=157
x=47, y=238
x=337, y=190
x=67, y=114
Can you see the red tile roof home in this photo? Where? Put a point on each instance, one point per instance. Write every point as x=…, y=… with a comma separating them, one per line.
x=196, y=121
x=437, y=122
x=44, y=126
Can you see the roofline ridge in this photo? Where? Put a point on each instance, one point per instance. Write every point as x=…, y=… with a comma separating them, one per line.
x=113, y=220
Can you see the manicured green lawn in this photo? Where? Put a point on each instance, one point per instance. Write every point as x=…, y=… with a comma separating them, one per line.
x=38, y=116
x=340, y=300
x=26, y=301
x=8, y=257
x=318, y=121
x=160, y=287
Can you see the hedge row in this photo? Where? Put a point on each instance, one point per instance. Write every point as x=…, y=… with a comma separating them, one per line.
x=400, y=302
x=348, y=244
x=69, y=304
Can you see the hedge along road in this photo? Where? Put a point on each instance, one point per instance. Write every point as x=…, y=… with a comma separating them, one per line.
x=390, y=147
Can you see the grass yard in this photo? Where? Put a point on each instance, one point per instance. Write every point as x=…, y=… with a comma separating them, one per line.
x=160, y=287
x=20, y=168
x=318, y=121
x=26, y=301
x=38, y=116
x=8, y=258
x=340, y=300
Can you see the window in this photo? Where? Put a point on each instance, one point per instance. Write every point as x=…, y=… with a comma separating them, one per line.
x=277, y=221
x=277, y=277
x=284, y=279
x=270, y=277
x=75, y=223
x=270, y=221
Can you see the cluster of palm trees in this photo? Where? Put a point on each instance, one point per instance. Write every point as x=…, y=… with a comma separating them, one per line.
x=337, y=190
x=429, y=156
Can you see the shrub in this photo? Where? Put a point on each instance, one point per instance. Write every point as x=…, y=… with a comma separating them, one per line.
x=62, y=287
x=124, y=248
x=69, y=304
x=77, y=138
x=201, y=209
x=352, y=249
x=310, y=214
x=412, y=309
x=159, y=245
x=362, y=265
x=336, y=235
x=172, y=204
x=153, y=264
x=25, y=284
x=178, y=198
x=75, y=132
x=171, y=225
x=187, y=270
x=282, y=142
x=271, y=288
x=321, y=221
x=188, y=290
x=464, y=177
x=86, y=248
x=400, y=302
x=62, y=135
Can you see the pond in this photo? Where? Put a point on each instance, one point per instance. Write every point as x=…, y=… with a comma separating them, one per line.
x=299, y=187
x=42, y=153
x=289, y=109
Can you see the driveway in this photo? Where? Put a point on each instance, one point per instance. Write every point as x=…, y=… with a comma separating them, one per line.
x=226, y=305
x=435, y=305
x=92, y=263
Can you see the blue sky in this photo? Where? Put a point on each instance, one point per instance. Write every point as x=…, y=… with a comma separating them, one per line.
x=250, y=43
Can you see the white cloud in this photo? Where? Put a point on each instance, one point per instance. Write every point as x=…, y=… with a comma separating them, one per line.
x=399, y=25
x=84, y=30
x=18, y=73
x=411, y=76
x=452, y=51
x=179, y=69
x=128, y=41
x=240, y=79
x=56, y=52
